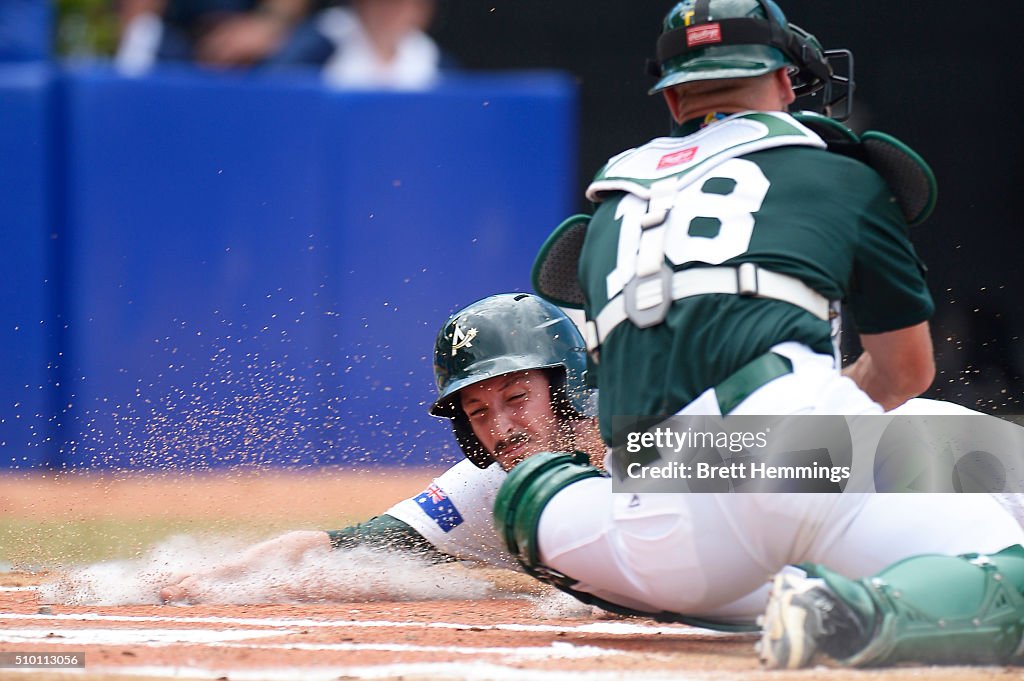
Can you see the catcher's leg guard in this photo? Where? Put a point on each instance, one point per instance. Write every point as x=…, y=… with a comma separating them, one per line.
x=523, y=496
x=938, y=609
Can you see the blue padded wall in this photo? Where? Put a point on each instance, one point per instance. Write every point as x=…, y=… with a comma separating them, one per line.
x=28, y=388
x=257, y=268
x=26, y=30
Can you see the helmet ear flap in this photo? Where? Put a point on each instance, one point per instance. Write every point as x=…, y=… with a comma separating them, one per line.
x=814, y=70
x=560, y=402
x=824, y=83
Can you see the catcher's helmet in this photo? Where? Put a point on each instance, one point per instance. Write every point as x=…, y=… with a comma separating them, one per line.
x=715, y=39
x=499, y=335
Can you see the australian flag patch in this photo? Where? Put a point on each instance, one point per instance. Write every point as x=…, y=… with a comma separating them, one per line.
x=436, y=504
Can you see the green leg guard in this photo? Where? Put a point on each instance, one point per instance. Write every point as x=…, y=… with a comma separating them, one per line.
x=523, y=496
x=517, y=510
x=938, y=609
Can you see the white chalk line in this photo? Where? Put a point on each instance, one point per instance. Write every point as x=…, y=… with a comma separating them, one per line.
x=607, y=628
x=478, y=671
x=554, y=650
x=140, y=637
x=474, y=671
x=161, y=638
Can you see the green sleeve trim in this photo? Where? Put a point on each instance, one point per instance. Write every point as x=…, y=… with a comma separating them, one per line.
x=922, y=313
x=386, y=532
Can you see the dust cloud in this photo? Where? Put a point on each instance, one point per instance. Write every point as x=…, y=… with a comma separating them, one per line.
x=319, y=576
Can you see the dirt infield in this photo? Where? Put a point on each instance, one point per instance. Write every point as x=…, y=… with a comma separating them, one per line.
x=522, y=632
x=72, y=518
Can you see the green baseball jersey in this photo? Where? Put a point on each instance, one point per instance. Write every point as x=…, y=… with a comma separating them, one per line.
x=795, y=209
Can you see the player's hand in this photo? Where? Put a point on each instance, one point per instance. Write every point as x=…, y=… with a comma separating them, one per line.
x=188, y=590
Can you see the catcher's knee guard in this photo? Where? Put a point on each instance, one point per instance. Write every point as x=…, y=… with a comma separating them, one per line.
x=939, y=609
x=523, y=496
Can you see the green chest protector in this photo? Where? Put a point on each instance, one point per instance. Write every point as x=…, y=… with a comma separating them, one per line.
x=657, y=171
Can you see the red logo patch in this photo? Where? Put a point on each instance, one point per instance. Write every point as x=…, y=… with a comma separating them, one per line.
x=703, y=34
x=677, y=157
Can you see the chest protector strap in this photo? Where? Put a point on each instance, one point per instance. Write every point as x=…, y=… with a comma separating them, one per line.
x=746, y=280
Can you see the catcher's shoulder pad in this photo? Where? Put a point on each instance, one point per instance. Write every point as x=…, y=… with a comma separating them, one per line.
x=686, y=158
x=554, y=269
x=909, y=177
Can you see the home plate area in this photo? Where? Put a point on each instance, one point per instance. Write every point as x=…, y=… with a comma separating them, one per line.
x=515, y=635
x=510, y=636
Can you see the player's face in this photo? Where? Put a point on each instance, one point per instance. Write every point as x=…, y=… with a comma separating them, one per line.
x=512, y=416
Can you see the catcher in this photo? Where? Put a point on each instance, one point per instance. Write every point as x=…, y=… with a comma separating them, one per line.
x=710, y=273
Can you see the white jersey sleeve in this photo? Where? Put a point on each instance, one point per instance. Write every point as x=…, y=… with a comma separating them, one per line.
x=1013, y=502
x=454, y=514
x=920, y=406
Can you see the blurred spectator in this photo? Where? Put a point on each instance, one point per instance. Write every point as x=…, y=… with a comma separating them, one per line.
x=369, y=44
x=220, y=33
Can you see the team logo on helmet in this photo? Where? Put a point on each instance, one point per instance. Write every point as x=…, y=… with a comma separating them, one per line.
x=462, y=339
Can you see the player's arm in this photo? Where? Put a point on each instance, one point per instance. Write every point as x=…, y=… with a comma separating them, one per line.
x=383, y=532
x=386, y=532
x=380, y=532
x=289, y=548
x=888, y=297
x=895, y=366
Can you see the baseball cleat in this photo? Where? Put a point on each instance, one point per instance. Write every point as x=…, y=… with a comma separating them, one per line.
x=793, y=621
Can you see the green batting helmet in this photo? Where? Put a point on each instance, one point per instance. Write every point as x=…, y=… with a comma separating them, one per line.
x=719, y=39
x=500, y=335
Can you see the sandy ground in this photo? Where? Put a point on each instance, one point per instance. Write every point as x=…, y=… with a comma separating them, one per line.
x=521, y=631
x=249, y=495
